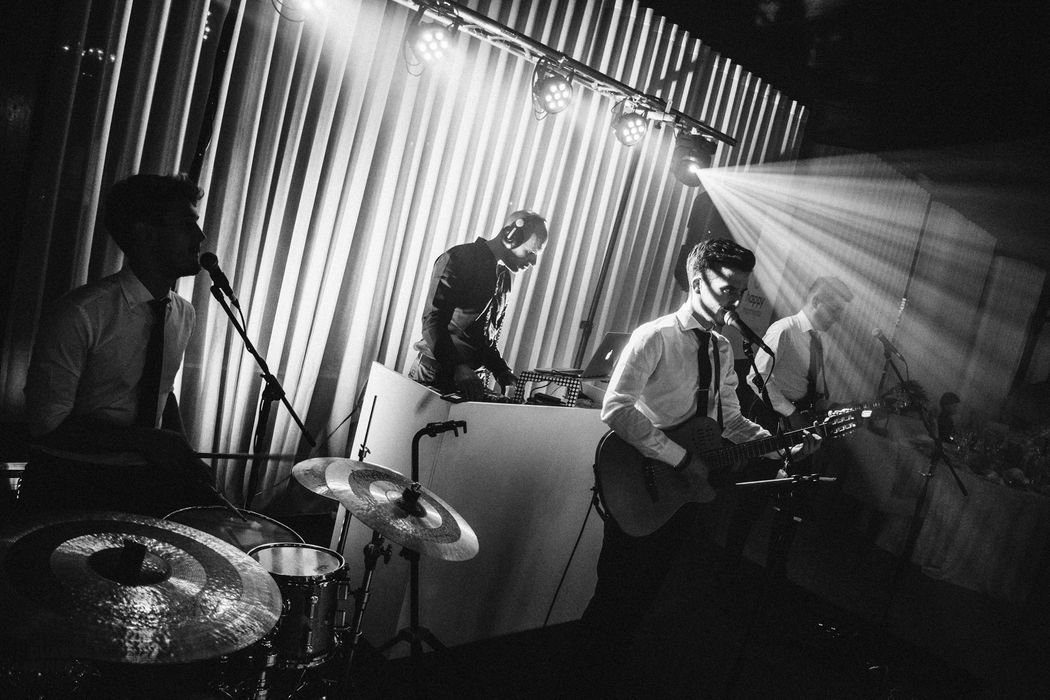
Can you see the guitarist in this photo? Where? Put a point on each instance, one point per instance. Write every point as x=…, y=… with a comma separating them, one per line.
x=797, y=385
x=672, y=368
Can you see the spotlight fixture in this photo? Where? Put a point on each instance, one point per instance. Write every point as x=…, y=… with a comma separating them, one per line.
x=551, y=90
x=692, y=154
x=429, y=41
x=628, y=125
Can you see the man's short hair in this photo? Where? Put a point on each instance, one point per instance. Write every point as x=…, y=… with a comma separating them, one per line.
x=145, y=199
x=521, y=225
x=719, y=252
x=828, y=289
x=948, y=398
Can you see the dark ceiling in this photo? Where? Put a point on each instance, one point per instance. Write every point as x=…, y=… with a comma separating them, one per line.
x=890, y=74
x=955, y=92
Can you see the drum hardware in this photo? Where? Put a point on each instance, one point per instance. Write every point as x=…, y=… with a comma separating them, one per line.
x=71, y=588
x=376, y=496
x=401, y=510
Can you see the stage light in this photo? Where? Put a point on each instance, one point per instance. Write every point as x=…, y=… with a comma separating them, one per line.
x=551, y=90
x=429, y=41
x=691, y=155
x=628, y=126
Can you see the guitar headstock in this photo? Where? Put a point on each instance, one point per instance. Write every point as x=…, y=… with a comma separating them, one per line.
x=842, y=421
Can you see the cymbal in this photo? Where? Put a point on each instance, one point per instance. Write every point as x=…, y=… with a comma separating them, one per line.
x=392, y=505
x=127, y=588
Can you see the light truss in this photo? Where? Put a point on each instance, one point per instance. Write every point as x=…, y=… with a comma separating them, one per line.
x=462, y=19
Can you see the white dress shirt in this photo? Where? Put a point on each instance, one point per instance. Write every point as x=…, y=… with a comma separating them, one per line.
x=789, y=339
x=655, y=384
x=89, y=353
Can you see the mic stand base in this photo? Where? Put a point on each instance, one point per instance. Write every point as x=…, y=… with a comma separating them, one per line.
x=782, y=533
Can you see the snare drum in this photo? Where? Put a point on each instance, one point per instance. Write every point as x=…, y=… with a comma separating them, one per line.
x=247, y=534
x=310, y=579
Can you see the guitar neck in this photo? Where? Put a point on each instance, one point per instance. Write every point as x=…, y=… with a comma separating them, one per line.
x=835, y=424
x=745, y=451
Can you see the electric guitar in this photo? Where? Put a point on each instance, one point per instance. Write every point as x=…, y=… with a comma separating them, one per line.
x=642, y=494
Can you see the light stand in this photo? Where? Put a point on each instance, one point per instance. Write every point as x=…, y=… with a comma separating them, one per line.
x=272, y=392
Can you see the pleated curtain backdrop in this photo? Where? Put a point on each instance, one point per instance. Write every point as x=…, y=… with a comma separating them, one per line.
x=334, y=175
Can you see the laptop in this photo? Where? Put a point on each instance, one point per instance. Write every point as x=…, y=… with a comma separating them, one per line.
x=602, y=361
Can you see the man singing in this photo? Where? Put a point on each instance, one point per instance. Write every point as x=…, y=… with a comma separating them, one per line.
x=673, y=368
x=106, y=427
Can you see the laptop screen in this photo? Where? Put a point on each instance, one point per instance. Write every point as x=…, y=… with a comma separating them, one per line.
x=605, y=356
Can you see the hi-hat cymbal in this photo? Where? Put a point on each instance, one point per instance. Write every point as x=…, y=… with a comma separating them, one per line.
x=389, y=503
x=128, y=588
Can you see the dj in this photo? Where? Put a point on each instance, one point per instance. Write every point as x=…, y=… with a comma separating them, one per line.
x=106, y=426
x=465, y=305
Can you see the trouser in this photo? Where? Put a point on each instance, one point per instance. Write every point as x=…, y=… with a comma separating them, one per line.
x=631, y=571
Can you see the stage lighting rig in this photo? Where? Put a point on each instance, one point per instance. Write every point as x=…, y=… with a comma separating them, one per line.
x=551, y=87
x=692, y=153
x=631, y=124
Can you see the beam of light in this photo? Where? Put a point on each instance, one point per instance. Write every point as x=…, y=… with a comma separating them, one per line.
x=917, y=267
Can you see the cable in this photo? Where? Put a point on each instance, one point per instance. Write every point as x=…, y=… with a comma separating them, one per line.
x=565, y=572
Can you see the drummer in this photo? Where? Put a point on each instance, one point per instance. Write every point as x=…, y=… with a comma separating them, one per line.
x=106, y=429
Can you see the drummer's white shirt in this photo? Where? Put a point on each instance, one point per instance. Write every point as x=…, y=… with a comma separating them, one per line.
x=89, y=353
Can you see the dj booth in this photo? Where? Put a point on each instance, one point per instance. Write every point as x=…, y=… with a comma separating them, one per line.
x=519, y=475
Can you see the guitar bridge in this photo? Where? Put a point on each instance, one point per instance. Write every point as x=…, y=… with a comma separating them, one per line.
x=650, y=481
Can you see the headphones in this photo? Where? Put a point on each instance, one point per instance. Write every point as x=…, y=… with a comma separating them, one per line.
x=514, y=232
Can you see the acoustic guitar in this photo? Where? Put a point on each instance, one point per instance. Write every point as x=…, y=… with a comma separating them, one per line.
x=641, y=494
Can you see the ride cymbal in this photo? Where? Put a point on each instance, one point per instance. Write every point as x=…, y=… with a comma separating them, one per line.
x=392, y=505
x=127, y=588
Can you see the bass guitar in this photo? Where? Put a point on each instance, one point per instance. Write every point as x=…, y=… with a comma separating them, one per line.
x=641, y=494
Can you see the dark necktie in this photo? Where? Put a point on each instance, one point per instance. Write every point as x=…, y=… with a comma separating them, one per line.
x=703, y=363
x=816, y=366
x=149, y=384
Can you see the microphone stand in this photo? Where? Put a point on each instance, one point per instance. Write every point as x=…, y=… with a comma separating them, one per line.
x=782, y=531
x=272, y=392
x=918, y=516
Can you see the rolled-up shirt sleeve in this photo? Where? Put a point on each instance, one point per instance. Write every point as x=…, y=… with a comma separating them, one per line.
x=620, y=409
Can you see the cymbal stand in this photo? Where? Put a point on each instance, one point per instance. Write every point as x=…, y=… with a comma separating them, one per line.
x=414, y=634
x=273, y=391
x=374, y=550
x=361, y=454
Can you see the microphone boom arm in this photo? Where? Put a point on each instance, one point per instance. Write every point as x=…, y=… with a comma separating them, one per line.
x=271, y=392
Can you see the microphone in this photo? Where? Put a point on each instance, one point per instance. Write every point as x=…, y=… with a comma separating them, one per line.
x=887, y=345
x=211, y=263
x=732, y=318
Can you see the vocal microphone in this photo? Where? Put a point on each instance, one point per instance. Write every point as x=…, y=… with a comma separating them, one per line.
x=887, y=345
x=211, y=263
x=732, y=318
